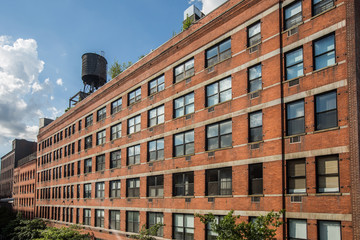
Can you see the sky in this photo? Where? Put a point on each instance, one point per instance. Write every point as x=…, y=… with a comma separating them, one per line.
x=42, y=41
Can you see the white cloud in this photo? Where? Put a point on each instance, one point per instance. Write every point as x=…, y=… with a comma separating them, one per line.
x=208, y=5
x=59, y=82
x=51, y=98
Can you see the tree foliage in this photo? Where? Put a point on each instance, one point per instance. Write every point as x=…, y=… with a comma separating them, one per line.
x=148, y=233
x=227, y=228
x=187, y=23
x=64, y=233
x=117, y=68
x=27, y=229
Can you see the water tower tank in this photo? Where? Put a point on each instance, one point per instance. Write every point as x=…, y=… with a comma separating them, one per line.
x=93, y=70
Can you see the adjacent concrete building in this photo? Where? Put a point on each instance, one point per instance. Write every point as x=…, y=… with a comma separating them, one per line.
x=253, y=108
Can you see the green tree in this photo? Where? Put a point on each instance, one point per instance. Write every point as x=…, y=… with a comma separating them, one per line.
x=148, y=233
x=64, y=233
x=117, y=68
x=7, y=222
x=264, y=227
x=187, y=23
x=27, y=229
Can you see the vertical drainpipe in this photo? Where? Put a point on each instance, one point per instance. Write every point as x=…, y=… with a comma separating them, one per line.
x=282, y=116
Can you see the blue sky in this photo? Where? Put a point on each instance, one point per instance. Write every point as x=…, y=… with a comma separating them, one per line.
x=42, y=41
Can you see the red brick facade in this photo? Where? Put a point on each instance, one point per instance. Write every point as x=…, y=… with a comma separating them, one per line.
x=263, y=167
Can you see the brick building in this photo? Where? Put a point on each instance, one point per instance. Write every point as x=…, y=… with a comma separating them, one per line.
x=20, y=149
x=24, y=186
x=253, y=108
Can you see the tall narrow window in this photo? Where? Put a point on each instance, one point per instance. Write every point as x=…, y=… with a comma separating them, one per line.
x=114, y=219
x=254, y=34
x=324, y=52
x=255, y=179
x=297, y=229
x=87, y=216
x=155, y=218
x=115, y=188
x=115, y=159
x=219, y=181
x=183, y=184
x=218, y=92
x=100, y=162
x=133, y=155
x=88, y=165
x=156, y=116
x=116, y=131
x=320, y=6
x=79, y=128
x=100, y=190
x=293, y=15
x=88, y=142
x=101, y=137
x=134, y=124
x=210, y=234
x=327, y=174
x=88, y=121
x=255, y=78
x=132, y=221
x=184, y=70
x=134, y=96
x=329, y=230
x=219, y=135
x=99, y=218
x=184, y=143
x=295, y=118
x=184, y=105
x=87, y=190
x=133, y=187
x=156, y=150
x=218, y=53
x=155, y=186
x=326, y=110
x=294, y=64
x=296, y=176
x=183, y=227
x=101, y=114
x=255, y=126
x=157, y=85
x=116, y=106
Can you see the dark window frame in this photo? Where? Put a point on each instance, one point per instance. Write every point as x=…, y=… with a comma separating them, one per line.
x=289, y=228
x=252, y=80
x=88, y=142
x=314, y=6
x=134, y=158
x=157, y=185
x=136, y=98
x=187, y=186
x=295, y=64
x=256, y=179
x=316, y=56
x=132, y=226
x=157, y=116
x=184, y=144
x=115, y=161
x=290, y=178
x=219, y=188
x=116, y=131
x=218, y=94
x=87, y=216
x=256, y=36
x=185, y=71
x=293, y=20
x=100, y=190
x=99, y=220
x=149, y=223
x=101, y=137
x=88, y=167
x=318, y=175
x=219, y=136
x=185, y=106
x=89, y=120
x=221, y=55
x=115, y=189
x=290, y=119
x=184, y=228
x=253, y=137
x=159, y=85
x=135, y=126
x=133, y=191
x=116, y=105
x=87, y=190
x=114, y=223
x=100, y=162
x=317, y=128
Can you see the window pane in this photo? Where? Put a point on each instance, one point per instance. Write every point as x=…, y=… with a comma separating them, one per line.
x=225, y=45
x=297, y=229
x=179, y=102
x=179, y=139
x=225, y=127
x=212, y=52
x=212, y=89
x=324, y=45
x=255, y=72
x=293, y=10
x=255, y=29
x=294, y=57
x=226, y=141
x=212, y=100
x=255, y=119
x=325, y=102
x=326, y=120
x=212, y=131
x=329, y=230
x=225, y=96
x=189, y=137
x=295, y=110
x=189, y=64
x=255, y=85
x=325, y=60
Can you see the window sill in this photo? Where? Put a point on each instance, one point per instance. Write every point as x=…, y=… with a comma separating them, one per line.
x=156, y=197
x=181, y=197
x=326, y=130
x=256, y=195
x=134, y=103
x=189, y=114
x=258, y=142
x=255, y=45
x=328, y=10
x=329, y=194
x=155, y=126
x=182, y=156
x=135, y=164
x=324, y=68
x=289, y=80
x=295, y=194
x=292, y=27
x=131, y=134
x=218, y=149
x=186, y=78
x=153, y=94
x=259, y=90
x=157, y=160
x=219, y=196
x=218, y=104
x=208, y=67
x=295, y=135
x=132, y=197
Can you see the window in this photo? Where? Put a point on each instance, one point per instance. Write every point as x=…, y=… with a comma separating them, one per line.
x=327, y=174
x=210, y=234
x=100, y=162
x=183, y=184
x=156, y=116
x=326, y=110
x=89, y=120
x=156, y=150
x=115, y=159
x=218, y=92
x=78, y=191
x=218, y=181
x=219, y=135
x=87, y=190
x=255, y=78
x=80, y=123
x=133, y=187
x=184, y=143
x=297, y=229
x=116, y=131
x=320, y=6
x=255, y=179
x=134, y=96
x=294, y=64
x=157, y=85
x=324, y=52
x=295, y=120
x=155, y=186
x=134, y=124
x=255, y=125
x=296, y=176
x=184, y=105
x=99, y=218
x=101, y=114
x=293, y=15
x=133, y=155
x=218, y=53
x=79, y=145
x=88, y=142
x=184, y=70
x=114, y=219
x=100, y=190
x=183, y=226
x=116, y=106
x=254, y=34
x=154, y=218
x=132, y=221
x=87, y=217
x=88, y=165
x=329, y=230
x=101, y=137
x=115, y=189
